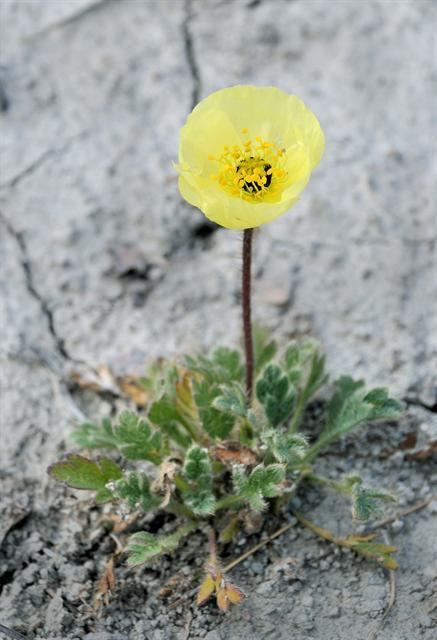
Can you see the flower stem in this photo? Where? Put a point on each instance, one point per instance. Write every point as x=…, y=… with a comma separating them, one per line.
x=246, y=302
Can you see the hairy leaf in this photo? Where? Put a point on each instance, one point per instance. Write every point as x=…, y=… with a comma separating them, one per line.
x=263, y=482
x=232, y=400
x=202, y=502
x=93, y=436
x=80, y=473
x=135, y=489
x=274, y=392
x=197, y=470
x=286, y=448
x=215, y=423
x=137, y=440
x=197, y=466
x=351, y=406
x=144, y=546
x=365, y=501
x=166, y=416
x=133, y=437
x=223, y=366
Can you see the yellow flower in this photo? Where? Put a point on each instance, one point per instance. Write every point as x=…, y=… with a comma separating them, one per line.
x=246, y=153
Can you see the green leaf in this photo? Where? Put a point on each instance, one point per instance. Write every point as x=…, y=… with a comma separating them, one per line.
x=80, y=473
x=92, y=436
x=289, y=449
x=137, y=440
x=197, y=465
x=228, y=362
x=215, y=423
x=365, y=502
x=144, y=546
x=351, y=406
x=202, y=502
x=275, y=394
x=263, y=482
x=232, y=400
x=198, y=471
x=133, y=437
x=306, y=370
x=135, y=489
x=264, y=349
x=222, y=367
x=166, y=416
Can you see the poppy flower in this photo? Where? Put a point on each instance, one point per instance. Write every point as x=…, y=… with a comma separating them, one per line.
x=246, y=153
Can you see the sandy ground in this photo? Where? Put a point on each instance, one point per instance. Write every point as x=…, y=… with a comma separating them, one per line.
x=102, y=263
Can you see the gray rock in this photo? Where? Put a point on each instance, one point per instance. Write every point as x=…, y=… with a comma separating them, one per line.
x=97, y=93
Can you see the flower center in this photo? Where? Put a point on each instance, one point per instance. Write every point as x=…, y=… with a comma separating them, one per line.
x=252, y=170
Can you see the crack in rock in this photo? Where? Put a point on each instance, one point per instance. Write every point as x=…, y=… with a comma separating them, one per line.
x=417, y=402
x=37, y=163
x=30, y=285
x=190, y=53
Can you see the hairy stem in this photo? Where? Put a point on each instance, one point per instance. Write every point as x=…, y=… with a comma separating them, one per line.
x=246, y=302
x=227, y=501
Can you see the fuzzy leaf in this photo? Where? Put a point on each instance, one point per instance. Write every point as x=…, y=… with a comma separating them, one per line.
x=136, y=440
x=91, y=436
x=144, y=546
x=197, y=470
x=133, y=437
x=165, y=414
x=135, y=489
x=215, y=423
x=222, y=367
x=262, y=482
x=275, y=394
x=365, y=502
x=351, y=406
x=201, y=501
x=197, y=466
x=286, y=448
x=232, y=400
x=80, y=473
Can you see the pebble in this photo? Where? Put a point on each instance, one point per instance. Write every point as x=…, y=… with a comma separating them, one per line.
x=397, y=526
x=335, y=612
x=257, y=567
x=265, y=587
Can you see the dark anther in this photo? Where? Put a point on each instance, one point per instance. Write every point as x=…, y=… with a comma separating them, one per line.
x=251, y=187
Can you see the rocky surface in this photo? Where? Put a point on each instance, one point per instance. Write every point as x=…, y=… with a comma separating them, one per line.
x=103, y=263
